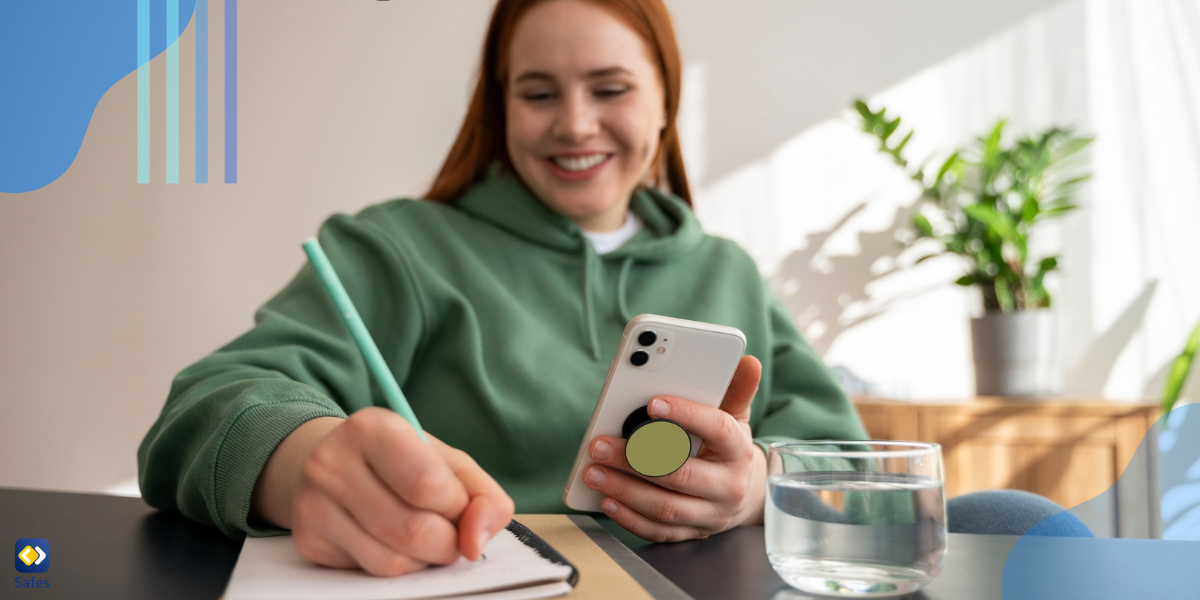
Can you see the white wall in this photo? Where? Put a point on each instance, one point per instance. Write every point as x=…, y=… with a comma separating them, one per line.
x=108, y=288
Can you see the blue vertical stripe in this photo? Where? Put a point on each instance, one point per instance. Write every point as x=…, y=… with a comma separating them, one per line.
x=173, y=91
x=230, y=91
x=201, y=91
x=143, y=91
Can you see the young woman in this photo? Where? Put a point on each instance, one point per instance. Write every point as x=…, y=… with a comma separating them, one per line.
x=561, y=211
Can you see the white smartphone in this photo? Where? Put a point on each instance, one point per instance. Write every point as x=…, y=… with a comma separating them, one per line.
x=657, y=356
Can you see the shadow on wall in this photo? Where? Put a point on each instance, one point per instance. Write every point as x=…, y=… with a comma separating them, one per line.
x=831, y=294
x=1090, y=373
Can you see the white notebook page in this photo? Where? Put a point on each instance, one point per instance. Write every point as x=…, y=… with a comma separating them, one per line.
x=272, y=569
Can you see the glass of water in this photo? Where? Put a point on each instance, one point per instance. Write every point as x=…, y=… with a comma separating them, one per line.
x=855, y=519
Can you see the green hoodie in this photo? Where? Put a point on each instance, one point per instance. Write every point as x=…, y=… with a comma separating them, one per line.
x=498, y=320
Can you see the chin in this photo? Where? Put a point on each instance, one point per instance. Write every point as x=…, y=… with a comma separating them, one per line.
x=578, y=204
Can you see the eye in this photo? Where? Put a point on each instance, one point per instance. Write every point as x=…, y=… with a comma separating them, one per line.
x=611, y=91
x=537, y=95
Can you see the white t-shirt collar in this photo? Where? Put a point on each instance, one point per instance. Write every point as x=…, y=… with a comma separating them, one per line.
x=608, y=241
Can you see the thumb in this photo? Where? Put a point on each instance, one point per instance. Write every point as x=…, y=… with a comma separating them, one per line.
x=484, y=517
x=489, y=510
x=742, y=388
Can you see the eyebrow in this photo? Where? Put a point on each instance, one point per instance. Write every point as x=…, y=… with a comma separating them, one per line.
x=540, y=75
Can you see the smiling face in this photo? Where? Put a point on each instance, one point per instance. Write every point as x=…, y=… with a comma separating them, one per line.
x=584, y=109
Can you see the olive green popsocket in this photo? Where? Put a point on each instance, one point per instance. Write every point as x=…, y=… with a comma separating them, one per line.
x=655, y=447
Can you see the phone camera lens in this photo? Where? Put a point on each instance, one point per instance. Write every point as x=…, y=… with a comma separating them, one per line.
x=639, y=358
x=647, y=338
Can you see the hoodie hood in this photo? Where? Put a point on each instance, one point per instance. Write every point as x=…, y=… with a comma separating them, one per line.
x=671, y=230
x=503, y=200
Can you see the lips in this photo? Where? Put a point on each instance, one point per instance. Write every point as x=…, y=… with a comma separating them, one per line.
x=579, y=162
x=578, y=166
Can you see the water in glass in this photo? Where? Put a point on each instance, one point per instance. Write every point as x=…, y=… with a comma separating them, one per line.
x=854, y=533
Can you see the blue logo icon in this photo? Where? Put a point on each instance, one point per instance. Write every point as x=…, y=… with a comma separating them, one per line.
x=32, y=555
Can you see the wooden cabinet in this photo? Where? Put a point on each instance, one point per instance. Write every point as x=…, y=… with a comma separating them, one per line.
x=1069, y=450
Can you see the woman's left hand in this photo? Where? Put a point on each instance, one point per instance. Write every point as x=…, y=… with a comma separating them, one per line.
x=722, y=487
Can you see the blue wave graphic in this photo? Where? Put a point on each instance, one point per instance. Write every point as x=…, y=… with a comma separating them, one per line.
x=1064, y=568
x=1179, y=446
x=57, y=59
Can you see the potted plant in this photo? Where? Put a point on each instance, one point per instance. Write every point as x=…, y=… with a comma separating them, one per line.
x=981, y=204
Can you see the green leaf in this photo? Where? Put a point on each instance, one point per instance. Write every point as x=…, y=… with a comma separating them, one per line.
x=927, y=257
x=991, y=144
x=1072, y=182
x=899, y=149
x=1048, y=264
x=1179, y=373
x=1074, y=145
x=1038, y=296
x=997, y=223
x=968, y=280
x=889, y=128
x=922, y=224
x=946, y=166
x=863, y=109
x=1058, y=211
x=1031, y=209
x=1004, y=296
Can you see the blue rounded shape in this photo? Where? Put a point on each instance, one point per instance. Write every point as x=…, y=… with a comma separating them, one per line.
x=1012, y=512
x=57, y=59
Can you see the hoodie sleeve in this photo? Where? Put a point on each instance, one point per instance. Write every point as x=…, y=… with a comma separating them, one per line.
x=225, y=414
x=804, y=400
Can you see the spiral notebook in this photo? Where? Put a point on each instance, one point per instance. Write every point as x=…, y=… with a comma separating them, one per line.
x=517, y=565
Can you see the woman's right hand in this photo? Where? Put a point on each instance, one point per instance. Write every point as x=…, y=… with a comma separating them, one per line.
x=369, y=493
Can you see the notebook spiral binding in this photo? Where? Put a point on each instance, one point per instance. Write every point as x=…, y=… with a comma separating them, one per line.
x=543, y=549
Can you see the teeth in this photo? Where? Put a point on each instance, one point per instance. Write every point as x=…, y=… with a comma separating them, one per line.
x=579, y=163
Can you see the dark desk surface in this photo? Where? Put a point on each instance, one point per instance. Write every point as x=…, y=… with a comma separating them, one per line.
x=734, y=565
x=113, y=547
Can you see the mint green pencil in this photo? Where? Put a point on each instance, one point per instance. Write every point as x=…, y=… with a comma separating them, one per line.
x=375, y=363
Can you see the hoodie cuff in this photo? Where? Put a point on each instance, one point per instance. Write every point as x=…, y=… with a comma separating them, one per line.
x=248, y=443
x=764, y=442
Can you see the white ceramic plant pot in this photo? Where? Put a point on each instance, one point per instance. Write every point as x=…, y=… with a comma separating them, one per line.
x=1016, y=354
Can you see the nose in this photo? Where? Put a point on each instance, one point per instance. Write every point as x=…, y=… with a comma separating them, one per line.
x=577, y=120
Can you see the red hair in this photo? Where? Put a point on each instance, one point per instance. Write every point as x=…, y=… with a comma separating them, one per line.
x=481, y=139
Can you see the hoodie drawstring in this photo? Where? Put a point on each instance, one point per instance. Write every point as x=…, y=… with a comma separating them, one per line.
x=622, y=303
x=588, y=313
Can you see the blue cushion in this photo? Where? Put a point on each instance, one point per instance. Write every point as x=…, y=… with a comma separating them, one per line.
x=1012, y=512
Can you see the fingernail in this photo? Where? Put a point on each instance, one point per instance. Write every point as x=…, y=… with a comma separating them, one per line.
x=609, y=507
x=601, y=451
x=484, y=538
x=659, y=408
x=594, y=477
